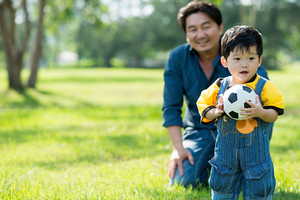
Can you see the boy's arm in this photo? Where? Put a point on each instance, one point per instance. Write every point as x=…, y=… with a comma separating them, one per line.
x=256, y=110
x=213, y=113
x=269, y=115
x=272, y=104
x=207, y=102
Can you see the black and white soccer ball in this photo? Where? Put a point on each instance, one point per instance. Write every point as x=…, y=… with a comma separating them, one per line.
x=235, y=98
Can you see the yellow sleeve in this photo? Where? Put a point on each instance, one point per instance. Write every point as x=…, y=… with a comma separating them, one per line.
x=272, y=98
x=207, y=100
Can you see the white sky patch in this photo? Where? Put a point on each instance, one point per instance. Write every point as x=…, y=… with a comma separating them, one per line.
x=148, y=9
x=126, y=9
x=250, y=2
x=19, y=19
x=80, y=4
x=246, y=2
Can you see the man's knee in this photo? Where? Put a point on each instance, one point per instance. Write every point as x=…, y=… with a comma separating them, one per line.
x=187, y=179
x=191, y=176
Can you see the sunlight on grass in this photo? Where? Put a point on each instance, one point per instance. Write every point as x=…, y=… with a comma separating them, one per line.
x=96, y=134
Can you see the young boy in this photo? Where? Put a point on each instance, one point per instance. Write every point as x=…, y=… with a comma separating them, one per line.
x=242, y=160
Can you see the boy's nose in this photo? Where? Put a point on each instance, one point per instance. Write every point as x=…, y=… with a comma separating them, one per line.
x=244, y=64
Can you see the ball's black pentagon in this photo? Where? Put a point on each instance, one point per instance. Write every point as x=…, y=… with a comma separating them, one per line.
x=247, y=89
x=233, y=114
x=232, y=97
x=246, y=105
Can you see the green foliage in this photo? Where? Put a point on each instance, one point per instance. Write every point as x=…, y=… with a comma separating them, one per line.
x=90, y=28
x=96, y=134
x=275, y=19
x=139, y=38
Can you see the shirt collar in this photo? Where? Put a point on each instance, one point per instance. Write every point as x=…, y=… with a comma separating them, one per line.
x=191, y=49
x=252, y=79
x=216, y=60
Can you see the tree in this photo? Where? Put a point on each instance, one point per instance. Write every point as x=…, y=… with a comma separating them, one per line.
x=15, y=42
x=36, y=55
x=13, y=46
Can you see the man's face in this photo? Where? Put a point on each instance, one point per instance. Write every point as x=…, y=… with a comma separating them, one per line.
x=202, y=33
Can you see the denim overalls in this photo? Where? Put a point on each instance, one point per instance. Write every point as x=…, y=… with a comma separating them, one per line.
x=242, y=161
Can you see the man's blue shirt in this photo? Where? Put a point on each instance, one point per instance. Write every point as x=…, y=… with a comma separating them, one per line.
x=184, y=78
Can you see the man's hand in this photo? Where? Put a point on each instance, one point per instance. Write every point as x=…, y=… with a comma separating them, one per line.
x=176, y=161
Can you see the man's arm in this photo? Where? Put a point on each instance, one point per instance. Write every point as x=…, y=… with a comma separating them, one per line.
x=179, y=152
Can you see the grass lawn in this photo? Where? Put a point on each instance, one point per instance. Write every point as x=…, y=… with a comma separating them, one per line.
x=97, y=134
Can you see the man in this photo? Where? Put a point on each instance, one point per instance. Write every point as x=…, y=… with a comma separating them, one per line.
x=191, y=68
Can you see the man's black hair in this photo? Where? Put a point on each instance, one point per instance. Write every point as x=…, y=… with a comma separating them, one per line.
x=199, y=6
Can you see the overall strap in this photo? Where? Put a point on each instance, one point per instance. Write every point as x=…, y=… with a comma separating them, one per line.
x=223, y=86
x=259, y=86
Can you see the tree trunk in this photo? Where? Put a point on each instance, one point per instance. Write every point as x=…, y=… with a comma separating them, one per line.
x=273, y=39
x=14, y=73
x=13, y=53
x=253, y=12
x=37, y=52
x=243, y=14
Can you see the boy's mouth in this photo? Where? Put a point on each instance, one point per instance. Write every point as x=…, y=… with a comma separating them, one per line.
x=244, y=72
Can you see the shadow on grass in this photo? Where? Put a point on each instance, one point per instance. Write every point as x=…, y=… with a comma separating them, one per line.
x=30, y=101
x=129, y=140
x=88, y=149
x=113, y=79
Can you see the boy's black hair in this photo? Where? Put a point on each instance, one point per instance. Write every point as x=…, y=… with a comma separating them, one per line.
x=241, y=37
x=199, y=6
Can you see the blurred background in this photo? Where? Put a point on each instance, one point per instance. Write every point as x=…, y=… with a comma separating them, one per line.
x=126, y=33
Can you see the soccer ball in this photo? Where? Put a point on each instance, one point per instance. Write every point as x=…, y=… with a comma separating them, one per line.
x=235, y=98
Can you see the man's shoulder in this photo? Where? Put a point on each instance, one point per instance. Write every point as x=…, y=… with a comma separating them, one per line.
x=181, y=49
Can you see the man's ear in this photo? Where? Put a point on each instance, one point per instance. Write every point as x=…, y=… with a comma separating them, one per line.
x=224, y=62
x=221, y=27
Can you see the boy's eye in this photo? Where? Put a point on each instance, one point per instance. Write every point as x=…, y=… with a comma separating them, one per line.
x=236, y=58
x=251, y=58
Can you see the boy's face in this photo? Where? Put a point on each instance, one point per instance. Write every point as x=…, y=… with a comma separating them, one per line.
x=203, y=33
x=242, y=64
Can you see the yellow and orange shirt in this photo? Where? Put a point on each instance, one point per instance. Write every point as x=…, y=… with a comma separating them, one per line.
x=270, y=96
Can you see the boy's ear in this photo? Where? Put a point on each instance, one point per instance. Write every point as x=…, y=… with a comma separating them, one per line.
x=260, y=61
x=224, y=62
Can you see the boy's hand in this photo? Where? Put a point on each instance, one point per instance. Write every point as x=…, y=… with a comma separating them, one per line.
x=219, y=108
x=215, y=112
x=256, y=110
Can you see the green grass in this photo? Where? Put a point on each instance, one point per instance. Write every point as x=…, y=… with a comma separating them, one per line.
x=97, y=134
